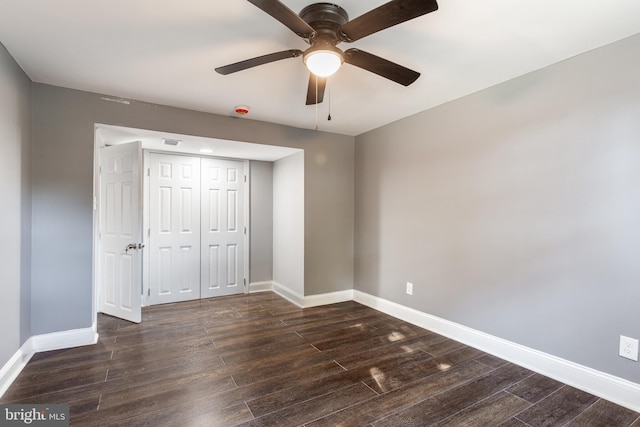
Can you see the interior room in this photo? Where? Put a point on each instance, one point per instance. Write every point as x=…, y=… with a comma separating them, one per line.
x=467, y=179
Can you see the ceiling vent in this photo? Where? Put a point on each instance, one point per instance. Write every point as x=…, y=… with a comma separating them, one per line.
x=172, y=142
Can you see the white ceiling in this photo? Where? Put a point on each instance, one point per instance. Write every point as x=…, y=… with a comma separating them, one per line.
x=165, y=52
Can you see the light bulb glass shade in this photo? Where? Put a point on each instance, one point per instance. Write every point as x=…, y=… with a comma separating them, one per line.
x=323, y=63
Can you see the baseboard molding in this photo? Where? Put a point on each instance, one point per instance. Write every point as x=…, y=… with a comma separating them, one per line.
x=64, y=339
x=301, y=300
x=606, y=386
x=14, y=366
x=288, y=294
x=260, y=286
x=328, y=298
x=44, y=342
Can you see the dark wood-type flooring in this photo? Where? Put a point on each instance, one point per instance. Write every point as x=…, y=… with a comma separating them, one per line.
x=258, y=360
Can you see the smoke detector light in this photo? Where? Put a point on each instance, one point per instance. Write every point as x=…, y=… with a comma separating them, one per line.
x=242, y=110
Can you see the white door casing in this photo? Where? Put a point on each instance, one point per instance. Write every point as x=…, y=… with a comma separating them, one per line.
x=174, y=228
x=223, y=227
x=120, y=231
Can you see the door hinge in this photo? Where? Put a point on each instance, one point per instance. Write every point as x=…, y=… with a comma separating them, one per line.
x=148, y=232
x=245, y=282
x=245, y=230
x=149, y=292
x=148, y=171
x=245, y=178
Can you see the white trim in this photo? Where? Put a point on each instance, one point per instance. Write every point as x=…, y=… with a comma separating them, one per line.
x=14, y=366
x=247, y=223
x=260, y=286
x=144, y=199
x=606, y=386
x=301, y=300
x=288, y=294
x=64, y=339
x=328, y=298
x=45, y=342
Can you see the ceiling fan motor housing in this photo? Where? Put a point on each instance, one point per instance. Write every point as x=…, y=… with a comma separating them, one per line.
x=327, y=20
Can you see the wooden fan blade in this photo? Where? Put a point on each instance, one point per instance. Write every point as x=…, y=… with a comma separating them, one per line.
x=312, y=96
x=286, y=16
x=259, y=60
x=389, y=14
x=380, y=66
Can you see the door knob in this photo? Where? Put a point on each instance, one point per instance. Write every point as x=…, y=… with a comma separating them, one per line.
x=133, y=246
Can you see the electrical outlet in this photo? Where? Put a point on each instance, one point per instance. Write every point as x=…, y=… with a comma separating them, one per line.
x=628, y=348
x=409, y=288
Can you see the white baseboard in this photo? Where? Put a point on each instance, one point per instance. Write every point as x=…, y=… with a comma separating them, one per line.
x=260, y=286
x=64, y=339
x=300, y=300
x=311, y=300
x=14, y=366
x=288, y=294
x=44, y=342
x=329, y=298
x=606, y=386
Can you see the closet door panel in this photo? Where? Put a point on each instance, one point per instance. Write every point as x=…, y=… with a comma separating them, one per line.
x=223, y=232
x=174, y=232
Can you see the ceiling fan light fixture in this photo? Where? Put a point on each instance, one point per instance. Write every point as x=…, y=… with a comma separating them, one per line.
x=323, y=62
x=325, y=25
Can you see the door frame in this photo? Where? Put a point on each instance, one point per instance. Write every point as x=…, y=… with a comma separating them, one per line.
x=106, y=134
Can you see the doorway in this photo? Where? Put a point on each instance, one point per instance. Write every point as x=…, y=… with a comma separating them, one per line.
x=252, y=155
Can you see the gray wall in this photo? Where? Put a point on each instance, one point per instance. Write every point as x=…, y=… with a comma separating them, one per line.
x=15, y=193
x=288, y=223
x=63, y=135
x=329, y=216
x=516, y=210
x=261, y=218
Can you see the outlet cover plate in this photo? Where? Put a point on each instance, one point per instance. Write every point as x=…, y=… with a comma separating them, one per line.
x=409, y=288
x=628, y=348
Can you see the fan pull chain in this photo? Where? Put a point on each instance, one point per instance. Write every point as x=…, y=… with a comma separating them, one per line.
x=329, y=116
x=316, y=79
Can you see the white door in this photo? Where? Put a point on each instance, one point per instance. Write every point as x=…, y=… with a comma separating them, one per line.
x=120, y=231
x=223, y=227
x=174, y=234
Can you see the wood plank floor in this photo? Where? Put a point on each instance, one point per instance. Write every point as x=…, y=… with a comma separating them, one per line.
x=258, y=360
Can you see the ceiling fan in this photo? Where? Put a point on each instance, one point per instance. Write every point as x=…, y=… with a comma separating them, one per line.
x=323, y=26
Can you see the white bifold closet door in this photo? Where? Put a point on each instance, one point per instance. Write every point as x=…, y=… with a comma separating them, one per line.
x=197, y=228
x=223, y=227
x=174, y=228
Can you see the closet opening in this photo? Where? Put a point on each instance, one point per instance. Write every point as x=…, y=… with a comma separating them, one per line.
x=179, y=217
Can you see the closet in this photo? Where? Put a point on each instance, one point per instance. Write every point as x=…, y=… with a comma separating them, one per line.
x=196, y=227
